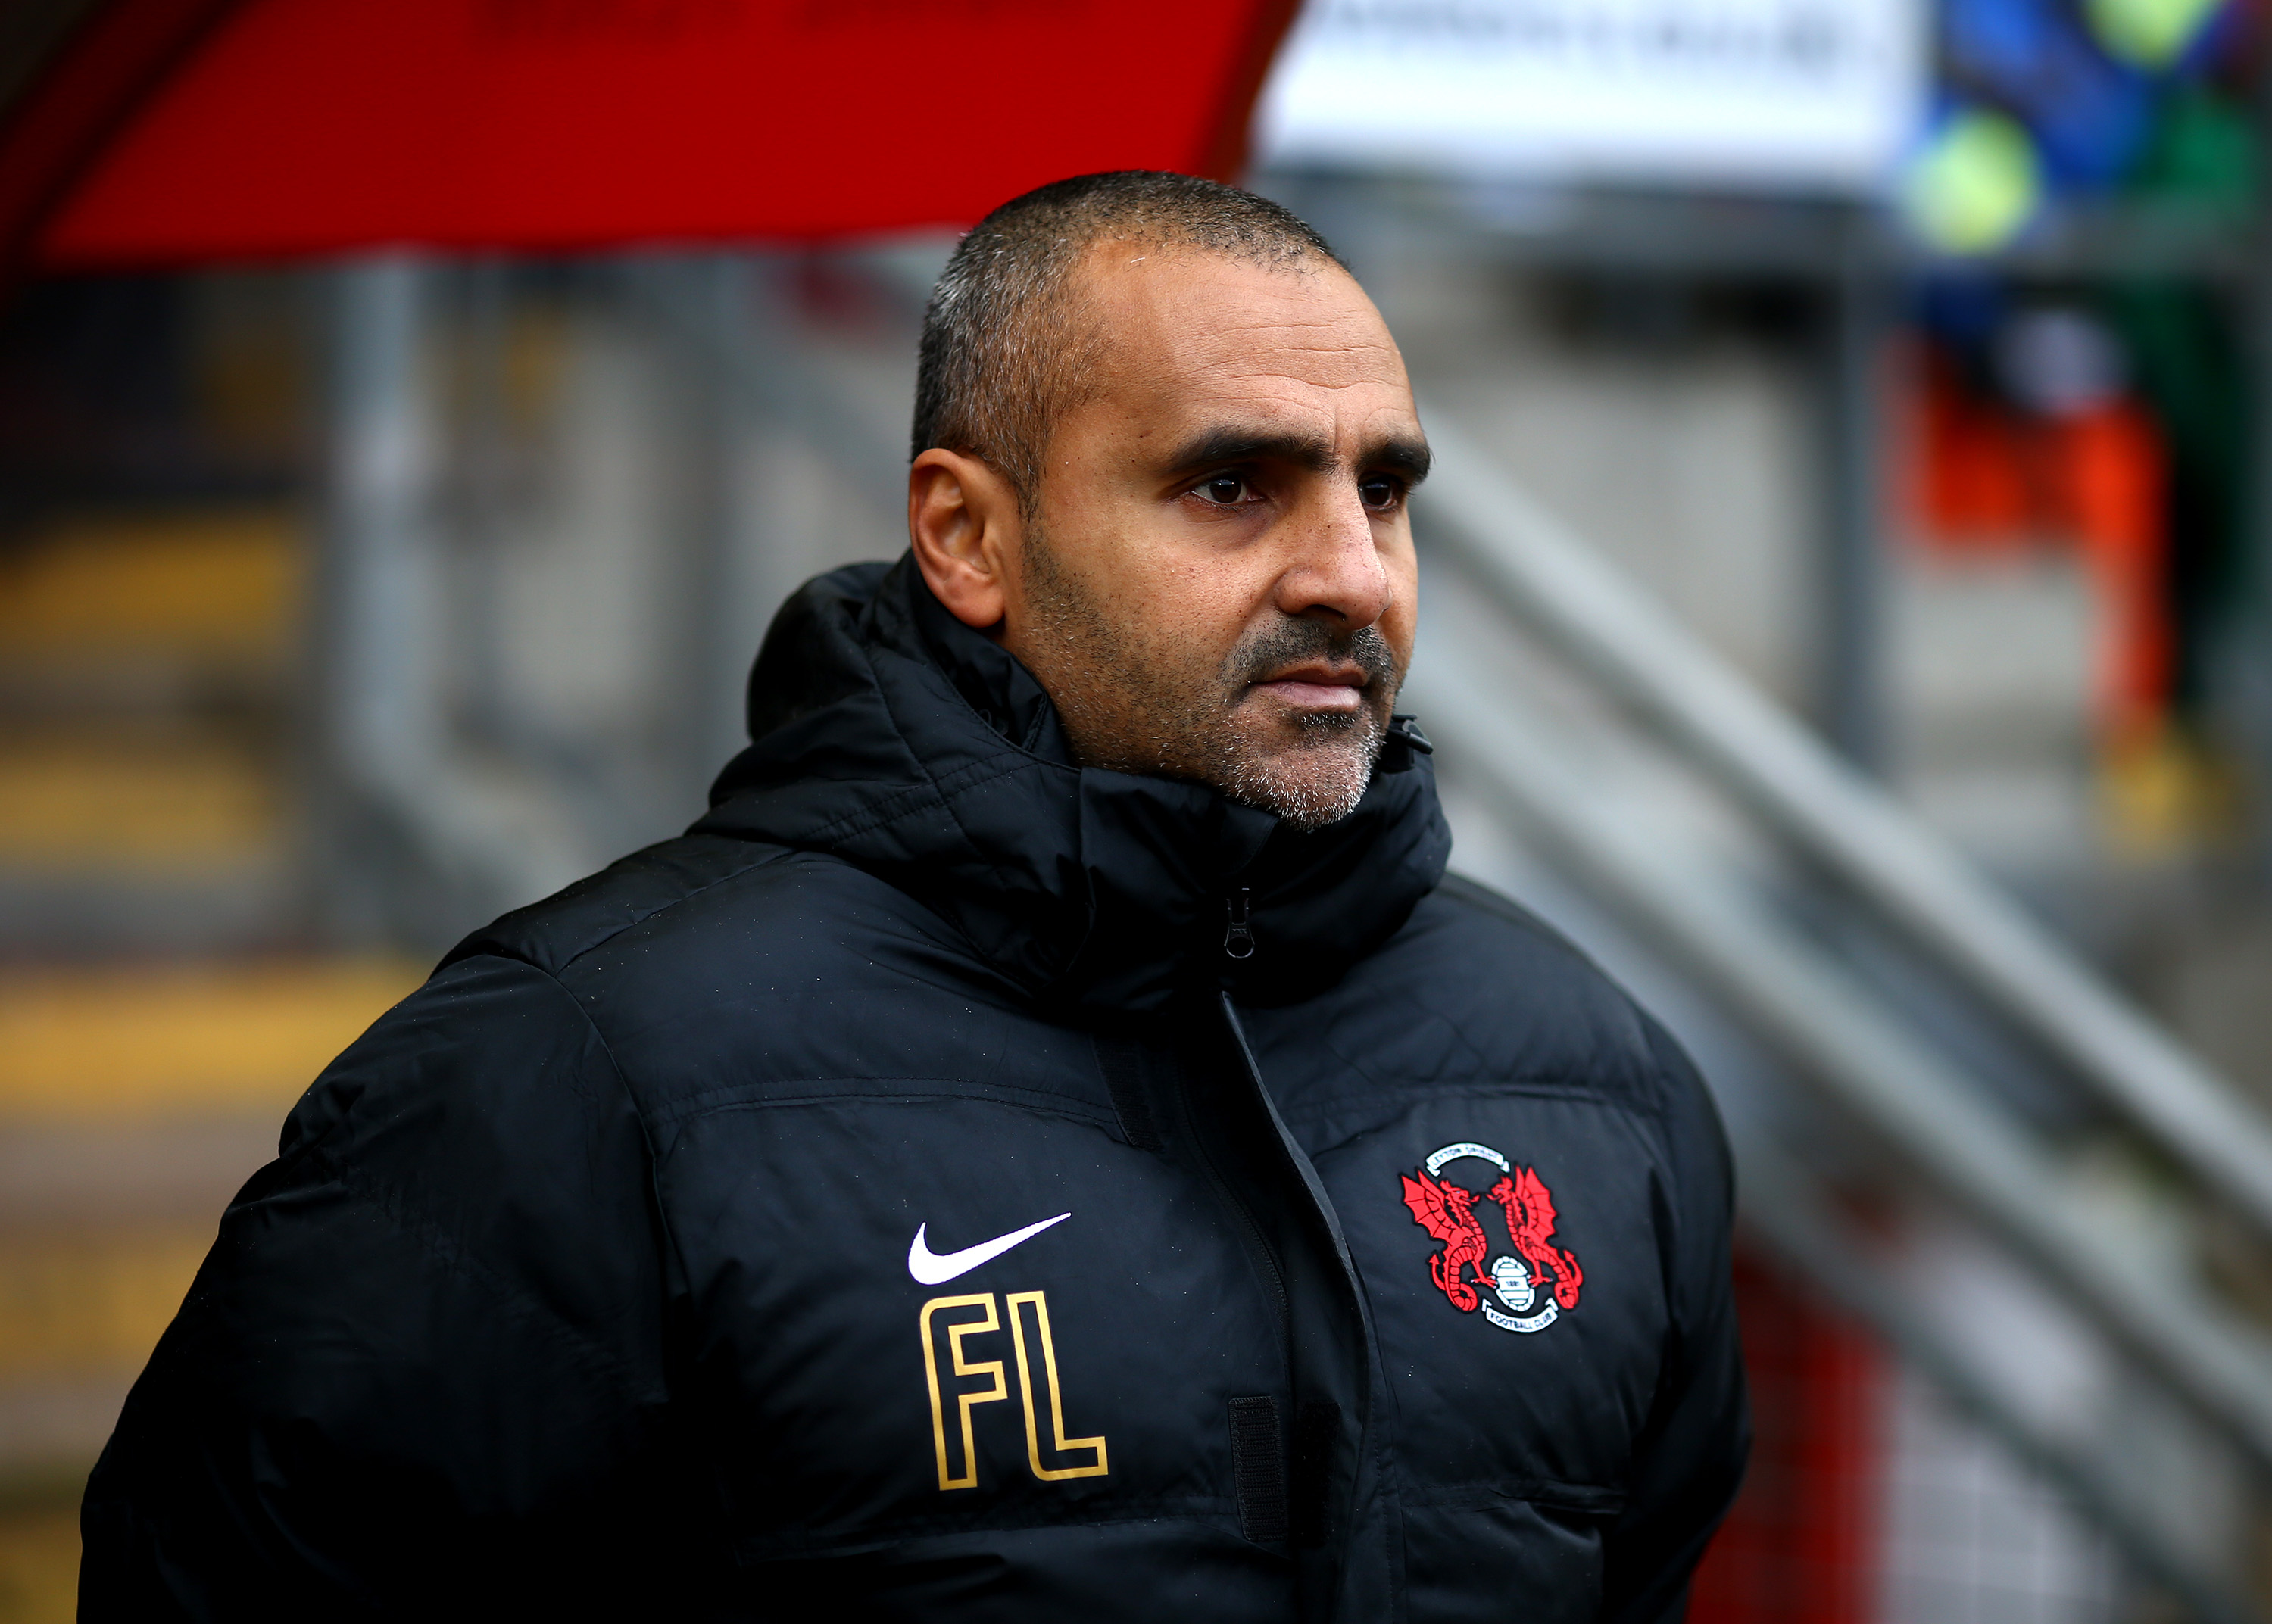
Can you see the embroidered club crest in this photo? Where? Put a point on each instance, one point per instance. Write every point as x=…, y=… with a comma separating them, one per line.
x=1535, y=1284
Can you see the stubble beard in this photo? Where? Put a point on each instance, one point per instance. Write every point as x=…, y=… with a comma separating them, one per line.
x=1131, y=704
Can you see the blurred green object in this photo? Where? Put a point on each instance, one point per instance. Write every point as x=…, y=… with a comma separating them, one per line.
x=2152, y=34
x=2188, y=363
x=1975, y=184
x=2203, y=151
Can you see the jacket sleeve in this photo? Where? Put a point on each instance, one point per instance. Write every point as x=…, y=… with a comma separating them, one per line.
x=421, y=1371
x=1699, y=1436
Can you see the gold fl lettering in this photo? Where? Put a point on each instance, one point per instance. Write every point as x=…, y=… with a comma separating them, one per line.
x=957, y=1318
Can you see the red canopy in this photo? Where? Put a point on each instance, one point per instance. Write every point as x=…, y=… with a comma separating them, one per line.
x=178, y=130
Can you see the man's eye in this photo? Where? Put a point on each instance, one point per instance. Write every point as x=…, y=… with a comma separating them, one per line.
x=1380, y=494
x=1225, y=490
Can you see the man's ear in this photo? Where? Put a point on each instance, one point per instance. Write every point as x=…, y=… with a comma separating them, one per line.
x=964, y=523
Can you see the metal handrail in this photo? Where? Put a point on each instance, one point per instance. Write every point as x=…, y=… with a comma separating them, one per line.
x=382, y=707
x=1539, y=572
x=1786, y=1206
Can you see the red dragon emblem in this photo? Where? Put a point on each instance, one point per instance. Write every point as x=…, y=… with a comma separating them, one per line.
x=1519, y=1282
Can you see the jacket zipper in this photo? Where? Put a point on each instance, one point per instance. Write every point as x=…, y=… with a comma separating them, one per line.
x=1246, y=1214
x=1238, y=930
x=1258, y=1241
x=1252, y=1069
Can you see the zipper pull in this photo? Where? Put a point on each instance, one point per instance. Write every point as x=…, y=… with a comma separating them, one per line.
x=1408, y=729
x=1238, y=935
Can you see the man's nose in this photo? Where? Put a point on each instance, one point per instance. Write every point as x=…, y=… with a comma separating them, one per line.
x=1336, y=573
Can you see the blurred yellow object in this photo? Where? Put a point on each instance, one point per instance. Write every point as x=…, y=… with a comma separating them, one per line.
x=1976, y=183
x=225, y=587
x=2152, y=34
x=92, y=1300
x=101, y=1070
x=122, y=1045
x=2160, y=792
x=85, y=803
x=39, y=1567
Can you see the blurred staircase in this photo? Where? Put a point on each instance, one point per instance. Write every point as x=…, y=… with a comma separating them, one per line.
x=160, y=1009
x=146, y=675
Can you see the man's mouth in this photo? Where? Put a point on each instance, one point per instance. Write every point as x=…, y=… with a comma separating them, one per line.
x=1318, y=685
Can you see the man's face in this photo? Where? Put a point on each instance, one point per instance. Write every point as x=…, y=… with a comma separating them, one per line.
x=1218, y=583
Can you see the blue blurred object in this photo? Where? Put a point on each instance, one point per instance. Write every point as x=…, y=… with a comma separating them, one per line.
x=2091, y=115
x=1964, y=308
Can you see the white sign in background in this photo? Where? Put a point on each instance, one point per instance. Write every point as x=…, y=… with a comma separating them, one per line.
x=1815, y=94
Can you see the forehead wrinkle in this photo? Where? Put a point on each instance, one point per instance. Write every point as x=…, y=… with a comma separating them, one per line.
x=1288, y=369
x=1309, y=304
x=1275, y=357
x=1308, y=338
x=1256, y=343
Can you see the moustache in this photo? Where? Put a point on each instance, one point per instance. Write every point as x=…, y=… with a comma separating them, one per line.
x=1290, y=642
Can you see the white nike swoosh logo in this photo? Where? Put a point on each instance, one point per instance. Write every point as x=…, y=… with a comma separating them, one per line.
x=930, y=1267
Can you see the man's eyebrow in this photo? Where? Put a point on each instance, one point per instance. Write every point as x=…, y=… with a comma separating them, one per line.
x=1230, y=445
x=1410, y=457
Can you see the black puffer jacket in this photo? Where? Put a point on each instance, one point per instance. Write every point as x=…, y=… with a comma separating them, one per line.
x=947, y=1185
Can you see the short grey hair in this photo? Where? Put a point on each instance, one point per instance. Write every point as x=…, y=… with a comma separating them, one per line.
x=1004, y=347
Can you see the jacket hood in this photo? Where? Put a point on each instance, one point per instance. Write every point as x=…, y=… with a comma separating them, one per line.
x=889, y=735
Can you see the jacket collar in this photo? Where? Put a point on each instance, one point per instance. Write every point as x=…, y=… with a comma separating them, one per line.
x=888, y=734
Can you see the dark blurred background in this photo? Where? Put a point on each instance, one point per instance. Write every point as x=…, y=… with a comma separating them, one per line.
x=1913, y=356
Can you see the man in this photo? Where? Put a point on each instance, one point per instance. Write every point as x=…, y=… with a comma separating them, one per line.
x=1049, y=1143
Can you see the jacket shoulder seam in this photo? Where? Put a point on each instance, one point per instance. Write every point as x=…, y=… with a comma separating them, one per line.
x=1472, y=894
x=458, y=1255
x=623, y=1082
x=497, y=947
x=1311, y=1108
x=796, y=1091
x=457, y=1251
